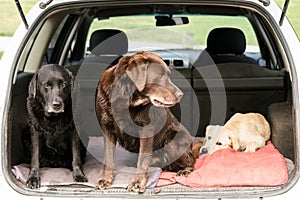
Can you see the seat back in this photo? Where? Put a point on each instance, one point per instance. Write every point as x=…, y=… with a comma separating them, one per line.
x=225, y=89
x=105, y=41
x=106, y=46
x=224, y=45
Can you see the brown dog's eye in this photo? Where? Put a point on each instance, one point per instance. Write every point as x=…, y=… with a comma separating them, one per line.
x=163, y=75
x=209, y=137
x=218, y=143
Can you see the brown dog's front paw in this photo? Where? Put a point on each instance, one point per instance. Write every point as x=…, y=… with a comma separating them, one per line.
x=33, y=182
x=104, y=184
x=185, y=172
x=138, y=184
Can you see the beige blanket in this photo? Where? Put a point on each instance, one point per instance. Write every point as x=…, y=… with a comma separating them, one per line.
x=124, y=169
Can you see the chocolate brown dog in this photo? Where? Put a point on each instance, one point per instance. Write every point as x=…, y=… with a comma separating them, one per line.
x=132, y=107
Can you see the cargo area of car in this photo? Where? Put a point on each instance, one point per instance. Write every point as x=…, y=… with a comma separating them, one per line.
x=272, y=97
x=212, y=94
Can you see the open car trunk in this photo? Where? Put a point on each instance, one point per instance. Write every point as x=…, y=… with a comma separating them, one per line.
x=273, y=101
x=212, y=94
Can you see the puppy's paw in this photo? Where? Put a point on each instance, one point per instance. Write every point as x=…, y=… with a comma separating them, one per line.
x=185, y=172
x=138, y=184
x=252, y=147
x=33, y=182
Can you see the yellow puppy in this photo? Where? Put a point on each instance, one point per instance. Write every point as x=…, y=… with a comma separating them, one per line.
x=243, y=132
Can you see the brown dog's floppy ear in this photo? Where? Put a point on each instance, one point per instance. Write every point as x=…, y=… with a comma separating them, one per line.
x=122, y=66
x=137, y=71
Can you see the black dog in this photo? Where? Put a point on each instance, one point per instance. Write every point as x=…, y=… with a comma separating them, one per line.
x=54, y=139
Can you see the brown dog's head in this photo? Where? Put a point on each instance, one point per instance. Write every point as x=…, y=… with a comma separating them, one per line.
x=151, y=76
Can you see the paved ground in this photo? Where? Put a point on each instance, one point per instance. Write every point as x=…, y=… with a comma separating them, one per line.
x=4, y=41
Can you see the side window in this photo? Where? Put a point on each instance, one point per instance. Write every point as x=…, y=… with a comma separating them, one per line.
x=41, y=45
x=63, y=48
x=53, y=42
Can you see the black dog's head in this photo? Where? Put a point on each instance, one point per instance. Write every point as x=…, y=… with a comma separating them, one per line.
x=51, y=86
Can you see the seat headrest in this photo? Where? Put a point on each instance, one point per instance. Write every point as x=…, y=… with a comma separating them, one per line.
x=108, y=42
x=226, y=41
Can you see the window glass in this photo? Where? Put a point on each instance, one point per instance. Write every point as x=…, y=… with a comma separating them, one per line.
x=53, y=42
x=141, y=31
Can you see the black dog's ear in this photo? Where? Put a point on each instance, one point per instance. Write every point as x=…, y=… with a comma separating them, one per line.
x=72, y=78
x=33, y=87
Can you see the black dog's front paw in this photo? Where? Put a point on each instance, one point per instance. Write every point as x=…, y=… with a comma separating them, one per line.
x=78, y=175
x=79, y=178
x=33, y=182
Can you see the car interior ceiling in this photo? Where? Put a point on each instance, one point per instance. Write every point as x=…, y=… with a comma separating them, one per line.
x=171, y=9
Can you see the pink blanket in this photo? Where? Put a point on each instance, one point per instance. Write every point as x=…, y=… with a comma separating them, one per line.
x=227, y=167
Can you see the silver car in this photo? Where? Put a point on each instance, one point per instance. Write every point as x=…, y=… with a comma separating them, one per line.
x=226, y=56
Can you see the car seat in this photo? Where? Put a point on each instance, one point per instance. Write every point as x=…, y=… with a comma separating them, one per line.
x=107, y=45
x=224, y=45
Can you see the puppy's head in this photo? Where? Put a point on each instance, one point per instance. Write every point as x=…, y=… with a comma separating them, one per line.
x=52, y=85
x=224, y=141
x=215, y=139
x=151, y=76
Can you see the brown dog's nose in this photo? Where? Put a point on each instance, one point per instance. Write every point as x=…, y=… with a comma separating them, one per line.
x=179, y=94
